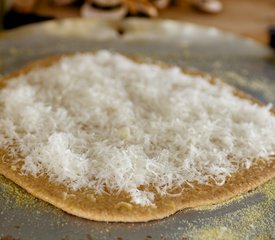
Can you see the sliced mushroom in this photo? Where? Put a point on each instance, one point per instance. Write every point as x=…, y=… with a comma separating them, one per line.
x=161, y=4
x=141, y=7
x=208, y=6
x=87, y=10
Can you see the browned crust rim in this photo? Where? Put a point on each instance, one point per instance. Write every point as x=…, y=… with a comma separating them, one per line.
x=115, y=208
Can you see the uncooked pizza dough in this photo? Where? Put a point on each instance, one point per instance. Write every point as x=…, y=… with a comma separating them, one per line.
x=108, y=138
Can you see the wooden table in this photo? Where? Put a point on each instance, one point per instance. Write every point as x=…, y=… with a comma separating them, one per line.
x=250, y=18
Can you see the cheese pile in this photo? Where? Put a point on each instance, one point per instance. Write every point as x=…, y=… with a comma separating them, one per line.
x=102, y=121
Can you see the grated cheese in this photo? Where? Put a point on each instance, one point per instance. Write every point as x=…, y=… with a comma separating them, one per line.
x=102, y=121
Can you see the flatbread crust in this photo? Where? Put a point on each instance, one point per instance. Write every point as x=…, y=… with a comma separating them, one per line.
x=117, y=208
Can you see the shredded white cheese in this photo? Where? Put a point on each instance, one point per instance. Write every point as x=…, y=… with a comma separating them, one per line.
x=103, y=121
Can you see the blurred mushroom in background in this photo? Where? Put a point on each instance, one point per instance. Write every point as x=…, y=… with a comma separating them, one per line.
x=150, y=8
x=208, y=6
x=117, y=9
x=107, y=9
